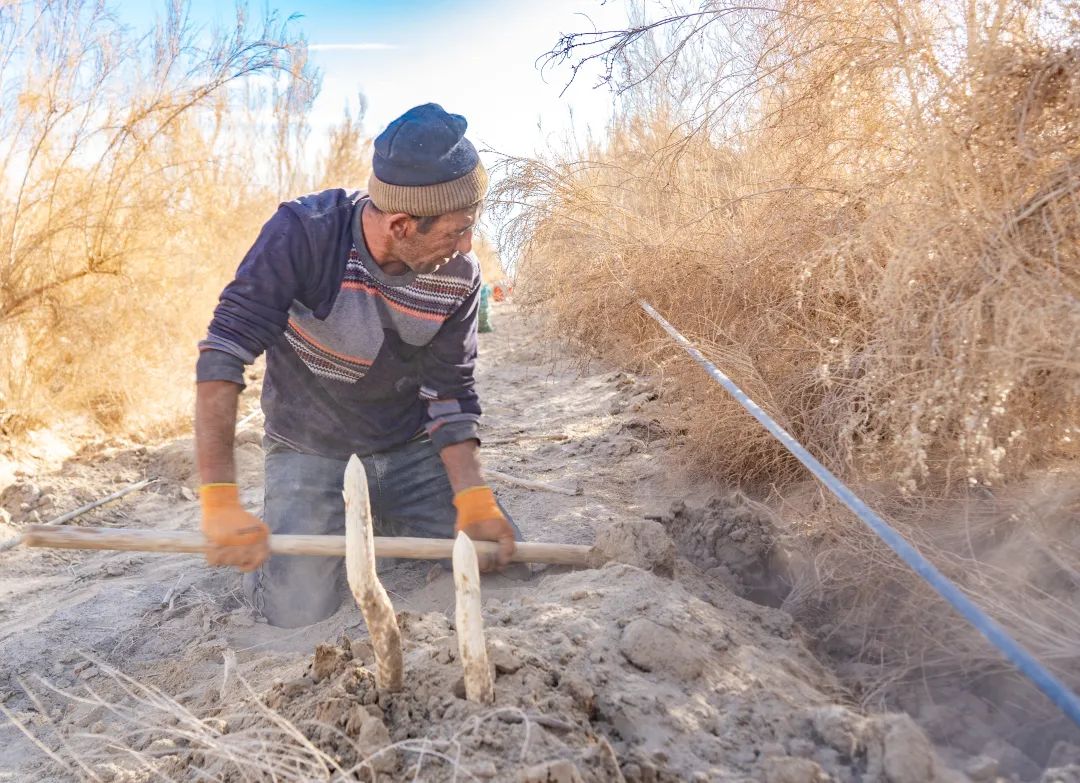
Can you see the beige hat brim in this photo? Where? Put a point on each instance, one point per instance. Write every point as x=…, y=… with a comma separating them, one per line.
x=430, y=200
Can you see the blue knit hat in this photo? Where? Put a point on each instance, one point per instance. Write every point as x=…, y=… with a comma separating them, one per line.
x=423, y=164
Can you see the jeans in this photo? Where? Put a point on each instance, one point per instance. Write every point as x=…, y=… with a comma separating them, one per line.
x=410, y=496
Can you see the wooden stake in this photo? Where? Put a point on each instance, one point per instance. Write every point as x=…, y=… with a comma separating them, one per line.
x=364, y=582
x=479, y=685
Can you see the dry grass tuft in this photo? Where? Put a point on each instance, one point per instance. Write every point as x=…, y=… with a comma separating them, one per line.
x=144, y=733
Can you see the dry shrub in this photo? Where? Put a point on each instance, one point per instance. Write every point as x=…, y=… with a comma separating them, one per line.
x=347, y=162
x=867, y=215
x=137, y=172
x=491, y=269
x=881, y=251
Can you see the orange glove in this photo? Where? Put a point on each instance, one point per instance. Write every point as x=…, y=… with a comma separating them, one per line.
x=237, y=537
x=479, y=517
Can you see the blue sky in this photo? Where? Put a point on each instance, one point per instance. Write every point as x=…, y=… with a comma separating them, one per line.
x=475, y=57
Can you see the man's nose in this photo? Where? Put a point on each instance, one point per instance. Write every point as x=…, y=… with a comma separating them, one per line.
x=464, y=244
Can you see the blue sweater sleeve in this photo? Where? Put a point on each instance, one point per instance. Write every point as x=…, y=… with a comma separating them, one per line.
x=447, y=383
x=254, y=308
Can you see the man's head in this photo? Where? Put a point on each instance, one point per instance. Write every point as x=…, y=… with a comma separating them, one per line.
x=427, y=184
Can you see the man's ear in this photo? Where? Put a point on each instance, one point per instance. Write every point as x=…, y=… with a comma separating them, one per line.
x=400, y=225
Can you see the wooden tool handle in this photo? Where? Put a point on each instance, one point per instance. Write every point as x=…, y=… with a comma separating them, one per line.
x=131, y=540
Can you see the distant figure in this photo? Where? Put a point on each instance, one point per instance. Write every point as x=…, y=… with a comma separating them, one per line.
x=366, y=305
x=485, y=308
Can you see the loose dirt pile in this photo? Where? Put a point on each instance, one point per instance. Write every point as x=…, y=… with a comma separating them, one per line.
x=601, y=675
x=682, y=689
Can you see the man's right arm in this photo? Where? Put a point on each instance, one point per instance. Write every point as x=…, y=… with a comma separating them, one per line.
x=250, y=316
x=237, y=537
x=215, y=427
x=254, y=308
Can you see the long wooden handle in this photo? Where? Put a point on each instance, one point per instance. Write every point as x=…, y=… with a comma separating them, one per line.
x=131, y=540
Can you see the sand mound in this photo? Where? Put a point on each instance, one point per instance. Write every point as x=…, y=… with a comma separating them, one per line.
x=601, y=675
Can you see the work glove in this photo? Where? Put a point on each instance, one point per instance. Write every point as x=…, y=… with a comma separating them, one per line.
x=479, y=517
x=236, y=537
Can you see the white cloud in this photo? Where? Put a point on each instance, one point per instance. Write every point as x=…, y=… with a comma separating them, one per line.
x=493, y=81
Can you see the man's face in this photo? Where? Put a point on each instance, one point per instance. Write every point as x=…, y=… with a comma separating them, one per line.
x=451, y=234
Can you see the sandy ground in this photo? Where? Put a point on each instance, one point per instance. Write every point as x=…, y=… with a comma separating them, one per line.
x=121, y=666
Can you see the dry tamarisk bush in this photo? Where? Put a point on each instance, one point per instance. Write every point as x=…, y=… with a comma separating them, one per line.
x=866, y=214
x=869, y=221
x=137, y=169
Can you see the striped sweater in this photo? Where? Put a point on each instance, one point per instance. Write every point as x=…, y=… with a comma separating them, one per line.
x=357, y=361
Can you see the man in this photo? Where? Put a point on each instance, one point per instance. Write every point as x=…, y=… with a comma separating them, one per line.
x=366, y=305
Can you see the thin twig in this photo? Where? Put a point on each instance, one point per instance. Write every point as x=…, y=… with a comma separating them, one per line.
x=528, y=484
x=11, y=543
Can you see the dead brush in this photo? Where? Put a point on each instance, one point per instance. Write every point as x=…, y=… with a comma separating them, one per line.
x=147, y=734
x=902, y=279
x=491, y=269
x=106, y=139
x=136, y=173
x=867, y=215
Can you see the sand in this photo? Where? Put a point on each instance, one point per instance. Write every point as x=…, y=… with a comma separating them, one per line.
x=674, y=664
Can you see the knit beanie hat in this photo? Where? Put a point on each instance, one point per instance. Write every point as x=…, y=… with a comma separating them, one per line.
x=423, y=164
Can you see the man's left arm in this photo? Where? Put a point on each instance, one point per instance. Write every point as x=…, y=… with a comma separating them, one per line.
x=462, y=461
x=448, y=386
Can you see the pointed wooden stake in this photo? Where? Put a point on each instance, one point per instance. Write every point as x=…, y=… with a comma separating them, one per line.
x=479, y=685
x=364, y=582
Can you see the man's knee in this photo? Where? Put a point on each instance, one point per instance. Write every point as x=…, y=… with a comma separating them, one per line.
x=294, y=594
x=303, y=493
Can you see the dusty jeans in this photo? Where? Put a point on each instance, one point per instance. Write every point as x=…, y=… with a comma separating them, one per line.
x=410, y=496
